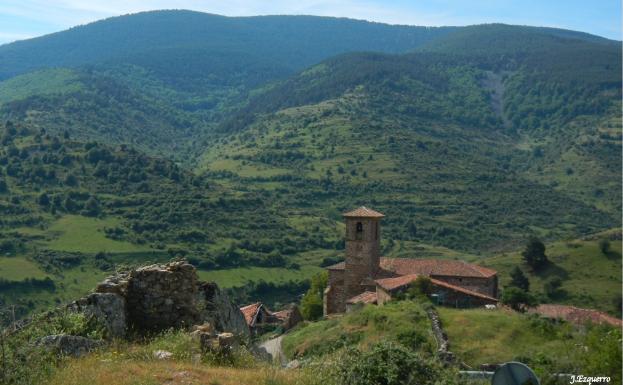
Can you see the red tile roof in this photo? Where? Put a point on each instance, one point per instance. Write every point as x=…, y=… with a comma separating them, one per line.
x=282, y=314
x=365, y=297
x=430, y=267
x=394, y=283
x=363, y=212
x=250, y=311
x=405, y=280
x=575, y=314
x=460, y=289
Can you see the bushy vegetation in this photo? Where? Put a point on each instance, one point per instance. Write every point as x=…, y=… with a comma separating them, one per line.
x=483, y=336
x=578, y=273
x=403, y=322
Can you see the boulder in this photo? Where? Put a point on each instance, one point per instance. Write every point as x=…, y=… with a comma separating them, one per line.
x=162, y=355
x=261, y=353
x=294, y=364
x=68, y=345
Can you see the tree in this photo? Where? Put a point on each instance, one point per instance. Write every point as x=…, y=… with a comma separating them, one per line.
x=422, y=286
x=519, y=279
x=311, y=304
x=551, y=287
x=44, y=199
x=604, y=246
x=92, y=207
x=534, y=253
x=518, y=299
x=412, y=228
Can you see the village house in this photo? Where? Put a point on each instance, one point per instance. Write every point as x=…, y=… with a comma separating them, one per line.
x=258, y=317
x=366, y=277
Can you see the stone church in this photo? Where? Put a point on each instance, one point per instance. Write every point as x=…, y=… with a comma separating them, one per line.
x=366, y=277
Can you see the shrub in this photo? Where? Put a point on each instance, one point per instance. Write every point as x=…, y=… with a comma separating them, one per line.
x=518, y=299
x=604, y=246
x=387, y=363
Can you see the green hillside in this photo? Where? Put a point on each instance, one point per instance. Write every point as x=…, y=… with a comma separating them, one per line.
x=419, y=137
x=479, y=336
x=590, y=278
x=73, y=211
x=231, y=143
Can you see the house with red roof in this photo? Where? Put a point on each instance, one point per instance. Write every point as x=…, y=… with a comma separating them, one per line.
x=259, y=317
x=366, y=277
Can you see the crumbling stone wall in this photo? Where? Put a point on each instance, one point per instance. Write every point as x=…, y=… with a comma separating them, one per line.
x=158, y=297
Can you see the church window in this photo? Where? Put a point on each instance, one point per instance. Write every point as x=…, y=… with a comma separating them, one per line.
x=359, y=230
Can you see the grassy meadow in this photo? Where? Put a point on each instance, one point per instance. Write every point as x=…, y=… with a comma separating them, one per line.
x=589, y=277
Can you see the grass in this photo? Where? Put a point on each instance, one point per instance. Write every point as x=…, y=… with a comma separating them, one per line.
x=94, y=371
x=48, y=81
x=242, y=275
x=19, y=268
x=76, y=233
x=480, y=336
x=590, y=277
x=404, y=322
x=133, y=363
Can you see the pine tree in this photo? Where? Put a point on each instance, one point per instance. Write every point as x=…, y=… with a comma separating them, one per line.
x=519, y=279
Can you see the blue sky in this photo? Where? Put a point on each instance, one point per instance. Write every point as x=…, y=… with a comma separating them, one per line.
x=22, y=19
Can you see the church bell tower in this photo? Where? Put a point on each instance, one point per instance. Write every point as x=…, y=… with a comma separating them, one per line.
x=363, y=240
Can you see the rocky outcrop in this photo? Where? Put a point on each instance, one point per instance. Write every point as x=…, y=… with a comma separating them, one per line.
x=219, y=311
x=108, y=309
x=68, y=345
x=158, y=297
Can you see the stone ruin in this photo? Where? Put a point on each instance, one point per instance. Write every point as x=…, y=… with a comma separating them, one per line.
x=158, y=297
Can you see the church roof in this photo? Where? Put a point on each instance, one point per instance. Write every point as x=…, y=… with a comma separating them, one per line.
x=433, y=267
x=363, y=212
x=405, y=280
x=429, y=267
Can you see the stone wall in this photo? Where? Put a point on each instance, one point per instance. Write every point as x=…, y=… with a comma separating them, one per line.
x=161, y=297
x=486, y=286
x=158, y=297
x=334, y=301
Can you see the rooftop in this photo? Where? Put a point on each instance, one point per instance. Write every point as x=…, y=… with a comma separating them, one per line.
x=250, y=311
x=365, y=297
x=432, y=267
x=402, y=281
x=575, y=314
x=363, y=212
x=429, y=267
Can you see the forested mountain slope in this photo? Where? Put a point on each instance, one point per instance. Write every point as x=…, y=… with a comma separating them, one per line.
x=160, y=80
x=419, y=137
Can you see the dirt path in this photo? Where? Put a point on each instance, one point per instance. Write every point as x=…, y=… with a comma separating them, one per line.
x=273, y=347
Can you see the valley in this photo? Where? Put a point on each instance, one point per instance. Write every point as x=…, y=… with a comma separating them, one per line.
x=229, y=144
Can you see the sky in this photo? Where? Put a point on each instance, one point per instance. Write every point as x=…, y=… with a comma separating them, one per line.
x=23, y=19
